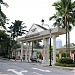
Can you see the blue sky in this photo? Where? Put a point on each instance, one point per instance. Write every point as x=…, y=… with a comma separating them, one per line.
x=32, y=11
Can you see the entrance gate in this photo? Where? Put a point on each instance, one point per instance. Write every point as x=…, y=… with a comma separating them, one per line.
x=37, y=32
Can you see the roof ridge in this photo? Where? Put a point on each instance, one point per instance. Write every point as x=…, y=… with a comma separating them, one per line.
x=41, y=26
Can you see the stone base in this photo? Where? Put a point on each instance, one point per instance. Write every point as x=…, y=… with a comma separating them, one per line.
x=45, y=62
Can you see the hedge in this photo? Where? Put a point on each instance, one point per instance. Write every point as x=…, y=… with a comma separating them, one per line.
x=65, y=65
x=66, y=61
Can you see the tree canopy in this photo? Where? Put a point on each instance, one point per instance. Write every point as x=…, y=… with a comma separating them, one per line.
x=17, y=28
x=3, y=18
x=4, y=43
x=65, y=18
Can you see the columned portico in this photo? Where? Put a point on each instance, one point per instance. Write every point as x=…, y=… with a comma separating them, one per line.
x=38, y=32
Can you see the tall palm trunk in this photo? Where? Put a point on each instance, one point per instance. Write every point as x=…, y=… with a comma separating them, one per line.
x=68, y=40
x=68, y=43
x=66, y=36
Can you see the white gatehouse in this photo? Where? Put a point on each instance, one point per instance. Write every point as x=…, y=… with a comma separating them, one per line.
x=38, y=32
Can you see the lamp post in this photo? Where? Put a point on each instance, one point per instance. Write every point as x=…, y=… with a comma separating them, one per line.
x=49, y=41
x=50, y=45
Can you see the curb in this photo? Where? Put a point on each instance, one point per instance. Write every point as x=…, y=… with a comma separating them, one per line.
x=69, y=68
x=58, y=67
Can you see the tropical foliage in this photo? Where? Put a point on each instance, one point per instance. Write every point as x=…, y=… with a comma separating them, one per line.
x=4, y=43
x=37, y=45
x=65, y=18
x=2, y=2
x=3, y=18
x=17, y=28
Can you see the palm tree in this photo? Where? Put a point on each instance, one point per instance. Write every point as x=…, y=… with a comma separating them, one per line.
x=65, y=18
x=2, y=2
x=3, y=18
x=17, y=28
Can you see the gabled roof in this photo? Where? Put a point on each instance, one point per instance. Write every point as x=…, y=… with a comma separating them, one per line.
x=41, y=27
x=35, y=28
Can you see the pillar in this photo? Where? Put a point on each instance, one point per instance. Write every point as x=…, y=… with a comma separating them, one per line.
x=45, y=60
x=44, y=41
x=26, y=53
x=18, y=54
x=32, y=50
x=21, y=51
x=47, y=52
x=29, y=53
x=54, y=50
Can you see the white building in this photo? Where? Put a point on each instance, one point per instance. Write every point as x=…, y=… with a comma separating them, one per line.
x=38, y=32
x=58, y=43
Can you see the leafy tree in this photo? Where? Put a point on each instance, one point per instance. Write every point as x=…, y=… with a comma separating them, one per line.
x=17, y=28
x=36, y=44
x=39, y=54
x=3, y=18
x=63, y=54
x=17, y=46
x=2, y=2
x=4, y=43
x=65, y=18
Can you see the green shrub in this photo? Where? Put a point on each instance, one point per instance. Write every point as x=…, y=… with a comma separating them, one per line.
x=66, y=61
x=57, y=60
x=65, y=65
x=63, y=54
x=57, y=55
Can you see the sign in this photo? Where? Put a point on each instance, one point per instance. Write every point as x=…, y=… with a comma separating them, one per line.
x=33, y=35
x=33, y=30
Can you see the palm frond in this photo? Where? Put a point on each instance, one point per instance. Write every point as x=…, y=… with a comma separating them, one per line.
x=53, y=17
x=5, y=4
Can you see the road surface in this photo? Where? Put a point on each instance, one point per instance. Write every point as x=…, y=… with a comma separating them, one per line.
x=23, y=68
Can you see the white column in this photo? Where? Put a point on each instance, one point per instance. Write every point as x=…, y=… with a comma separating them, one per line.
x=29, y=53
x=44, y=41
x=45, y=60
x=18, y=53
x=47, y=51
x=21, y=51
x=26, y=51
x=54, y=50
